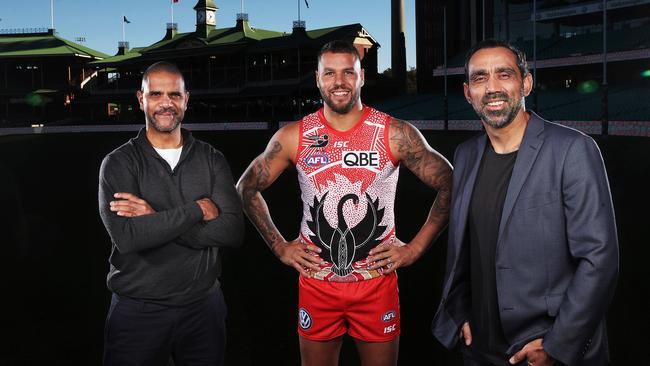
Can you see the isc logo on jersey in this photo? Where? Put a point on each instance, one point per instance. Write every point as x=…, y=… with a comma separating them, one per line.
x=317, y=160
x=360, y=159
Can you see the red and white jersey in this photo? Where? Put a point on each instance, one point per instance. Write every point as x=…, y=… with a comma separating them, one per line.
x=348, y=181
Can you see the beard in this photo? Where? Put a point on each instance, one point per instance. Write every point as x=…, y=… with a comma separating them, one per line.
x=501, y=118
x=340, y=108
x=176, y=120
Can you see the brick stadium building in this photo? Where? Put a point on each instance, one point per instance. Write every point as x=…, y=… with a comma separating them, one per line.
x=234, y=73
x=42, y=76
x=237, y=73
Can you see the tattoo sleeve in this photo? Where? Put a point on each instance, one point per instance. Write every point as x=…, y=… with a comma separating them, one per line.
x=254, y=180
x=427, y=164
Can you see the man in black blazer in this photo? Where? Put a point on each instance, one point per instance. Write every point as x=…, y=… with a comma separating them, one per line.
x=532, y=260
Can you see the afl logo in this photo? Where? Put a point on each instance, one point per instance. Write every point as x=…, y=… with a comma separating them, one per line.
x=304, y=319
x=317, y=160
x=388, y=316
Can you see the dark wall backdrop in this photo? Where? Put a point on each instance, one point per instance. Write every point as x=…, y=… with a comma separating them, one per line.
x=55, y=250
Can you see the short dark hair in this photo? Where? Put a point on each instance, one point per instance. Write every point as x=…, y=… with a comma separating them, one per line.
x=165, y=66
x=338, y=46
x=495, y=43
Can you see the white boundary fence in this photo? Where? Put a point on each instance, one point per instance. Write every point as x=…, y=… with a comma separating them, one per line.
x=616, y=128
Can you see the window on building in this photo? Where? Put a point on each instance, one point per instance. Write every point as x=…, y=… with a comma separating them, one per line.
x=113, y=109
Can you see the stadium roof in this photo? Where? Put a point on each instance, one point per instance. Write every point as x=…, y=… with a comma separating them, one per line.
x=242, y=35
x=354, y=33
x=43, y=44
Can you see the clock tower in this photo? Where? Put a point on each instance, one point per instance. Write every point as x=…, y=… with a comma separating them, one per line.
x=206, y=17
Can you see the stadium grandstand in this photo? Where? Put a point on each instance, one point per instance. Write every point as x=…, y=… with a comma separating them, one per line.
x=587, y=75
x=41, y=75
x=236, y=72
x=64, y=107
x=264, y=75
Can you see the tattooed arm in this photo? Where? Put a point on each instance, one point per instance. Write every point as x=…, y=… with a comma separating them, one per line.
x=410, y=148
x=259, y=175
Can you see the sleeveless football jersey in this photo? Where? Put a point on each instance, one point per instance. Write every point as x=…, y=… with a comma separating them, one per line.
x=348, y=181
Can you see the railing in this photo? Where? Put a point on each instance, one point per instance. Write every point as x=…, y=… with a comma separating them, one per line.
x=616, y=128
x=24, y=30
x=90, y=83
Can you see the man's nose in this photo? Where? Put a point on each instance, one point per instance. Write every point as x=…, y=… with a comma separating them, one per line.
x=166, y=99
x=339, y=78
x=492, y=84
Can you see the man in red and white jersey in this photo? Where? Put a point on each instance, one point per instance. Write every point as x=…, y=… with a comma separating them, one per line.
x=347, y=157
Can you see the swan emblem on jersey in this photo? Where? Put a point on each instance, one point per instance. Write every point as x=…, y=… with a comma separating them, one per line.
x=345, y=245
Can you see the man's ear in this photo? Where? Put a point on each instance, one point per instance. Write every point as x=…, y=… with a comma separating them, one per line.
x=468, y=96
x=140, y=95
x=528, y=84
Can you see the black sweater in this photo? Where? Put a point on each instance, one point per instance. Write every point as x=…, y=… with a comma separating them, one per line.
x=169, y=257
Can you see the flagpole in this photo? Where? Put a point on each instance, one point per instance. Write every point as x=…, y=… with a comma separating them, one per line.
x=52, y=13
x=605, y=107
x=172, y=4
x=483, y=18
x=535, y=56
x=123, y=33
x=444, y=52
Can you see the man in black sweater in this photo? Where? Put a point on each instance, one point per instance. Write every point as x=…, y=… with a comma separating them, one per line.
x=168, y=203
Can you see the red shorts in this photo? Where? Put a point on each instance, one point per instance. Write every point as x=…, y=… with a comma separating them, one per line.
x=367, y=310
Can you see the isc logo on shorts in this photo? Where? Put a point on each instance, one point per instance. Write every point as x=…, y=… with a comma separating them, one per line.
x=304, y=319
x=360, y=159
x=388, y=316
x=390, y=329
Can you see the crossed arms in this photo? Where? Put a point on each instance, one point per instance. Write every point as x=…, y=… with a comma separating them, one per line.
x=134, y=225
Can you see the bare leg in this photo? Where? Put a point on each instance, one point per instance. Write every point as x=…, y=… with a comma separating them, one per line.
x=378, y=353
x=320, y=353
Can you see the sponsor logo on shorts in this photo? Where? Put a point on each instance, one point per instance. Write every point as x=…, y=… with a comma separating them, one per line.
x=390, y=329
x=304, y=319
x=388, y=316
x=317, y=160
x=360, y=159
